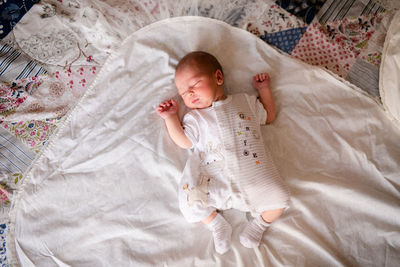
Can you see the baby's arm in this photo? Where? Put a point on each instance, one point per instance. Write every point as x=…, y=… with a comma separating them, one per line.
x=261, y=83
x=168, y=110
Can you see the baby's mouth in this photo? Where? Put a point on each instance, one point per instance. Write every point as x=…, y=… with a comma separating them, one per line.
x=195, y=100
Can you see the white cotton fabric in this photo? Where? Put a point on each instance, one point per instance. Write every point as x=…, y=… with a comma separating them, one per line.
x=389, y=79
x=230, y=166
x=72, y=39
x=104, y=192
x=199, y=125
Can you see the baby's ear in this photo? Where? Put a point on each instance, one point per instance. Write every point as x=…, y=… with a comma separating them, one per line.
x=219, y=77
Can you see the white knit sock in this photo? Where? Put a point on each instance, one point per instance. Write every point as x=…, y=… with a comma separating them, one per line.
x=253, y=232
x=222, y=232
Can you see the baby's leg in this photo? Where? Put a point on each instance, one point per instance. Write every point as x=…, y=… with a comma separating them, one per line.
x=271, y=215
x=253, y=232
x=221, y=230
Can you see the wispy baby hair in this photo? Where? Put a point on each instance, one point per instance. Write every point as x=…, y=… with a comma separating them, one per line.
x=202, y=59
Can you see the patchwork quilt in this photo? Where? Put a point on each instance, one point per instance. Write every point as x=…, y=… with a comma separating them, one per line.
x=52, y=50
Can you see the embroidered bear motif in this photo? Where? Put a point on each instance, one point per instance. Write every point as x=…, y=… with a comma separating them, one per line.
x=198, y=193
x=212, y=154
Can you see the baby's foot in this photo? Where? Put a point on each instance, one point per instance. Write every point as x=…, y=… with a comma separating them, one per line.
x=222, y=232
x=253, y=232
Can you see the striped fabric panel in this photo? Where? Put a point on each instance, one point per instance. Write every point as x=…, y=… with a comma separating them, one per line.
x=9, y=58
x=372, y=8
x=14, y=65
x=31, y=69
x=252, y=173
x=339, y=9
x=15, y=157
x=365, y=76
x=4, y=50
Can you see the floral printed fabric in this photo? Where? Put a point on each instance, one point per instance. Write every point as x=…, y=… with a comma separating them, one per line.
x=13, y=94
x=278, y=28
x=74, y=78
x=45, y=96
x=32, y=133
x=274, y=19
x=336, y=45
x=48, y=43
x=372, y=52
x=353, y=33
x=365, y=72
x=340, y=41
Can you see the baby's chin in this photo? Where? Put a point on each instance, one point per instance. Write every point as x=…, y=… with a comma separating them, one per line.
x=199, y=105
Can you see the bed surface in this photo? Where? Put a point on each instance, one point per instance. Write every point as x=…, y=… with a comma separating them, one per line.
x=95, y=186
x=53, y=53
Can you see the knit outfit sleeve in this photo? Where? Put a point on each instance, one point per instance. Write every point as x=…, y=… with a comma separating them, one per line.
x=257, y=107
x=191, y=127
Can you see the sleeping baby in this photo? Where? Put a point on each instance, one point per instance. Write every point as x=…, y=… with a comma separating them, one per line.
x=229, y=166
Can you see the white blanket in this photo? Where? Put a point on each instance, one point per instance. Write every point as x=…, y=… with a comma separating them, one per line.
x=389, y=78
x=104, y=190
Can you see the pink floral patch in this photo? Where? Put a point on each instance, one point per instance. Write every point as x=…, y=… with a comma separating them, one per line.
x=33, y=133
x=353, y=33
x=316, y=48
x=4, y=198
x=76, y=78
x=14, y=93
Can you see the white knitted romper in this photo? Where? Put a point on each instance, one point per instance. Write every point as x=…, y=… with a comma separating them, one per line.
x=230, y=167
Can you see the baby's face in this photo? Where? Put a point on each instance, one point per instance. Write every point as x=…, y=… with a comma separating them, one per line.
x=197, y=87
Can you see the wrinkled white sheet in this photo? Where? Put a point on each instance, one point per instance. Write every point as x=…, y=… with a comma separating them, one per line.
x=104, y=191
x=389, y=79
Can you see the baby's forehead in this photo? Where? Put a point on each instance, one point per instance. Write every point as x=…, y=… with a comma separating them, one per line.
x=192, y=69
x=192, y=64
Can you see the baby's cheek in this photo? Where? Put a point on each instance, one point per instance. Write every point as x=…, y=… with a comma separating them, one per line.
x=188, y=104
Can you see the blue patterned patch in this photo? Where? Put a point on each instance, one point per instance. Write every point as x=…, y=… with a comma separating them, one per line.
x=284, y=40
x=3, y=257
x=11, y=12
x=304, y=9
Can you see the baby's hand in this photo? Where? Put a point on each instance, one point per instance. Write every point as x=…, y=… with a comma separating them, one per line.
x=261, y=81
x=167, y=109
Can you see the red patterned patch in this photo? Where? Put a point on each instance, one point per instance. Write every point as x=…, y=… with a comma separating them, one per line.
x=316, y=48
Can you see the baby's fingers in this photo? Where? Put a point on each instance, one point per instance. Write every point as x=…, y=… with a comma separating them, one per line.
x=262, y=77
x=173, y=102
x=258, y=78
x=165, y=104
x=161, y=107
